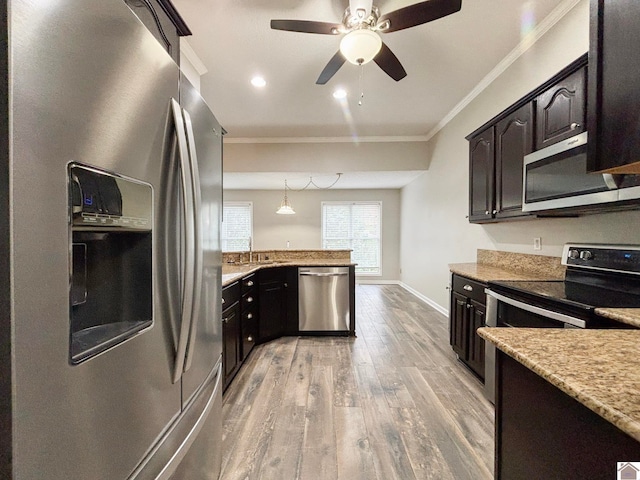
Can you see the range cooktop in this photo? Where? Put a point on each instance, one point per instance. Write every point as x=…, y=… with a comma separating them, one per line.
x=598, y=276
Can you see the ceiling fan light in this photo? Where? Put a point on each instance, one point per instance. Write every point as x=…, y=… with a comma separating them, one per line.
x=360, y=46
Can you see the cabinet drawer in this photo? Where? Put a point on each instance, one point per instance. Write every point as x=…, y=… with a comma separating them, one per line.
x=249, y=282
x=230, y=295
x=469, y=288
x=248, y=300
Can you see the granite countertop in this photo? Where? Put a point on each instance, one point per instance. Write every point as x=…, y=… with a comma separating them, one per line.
x=498, y=265
x=234, y=272
x=630, y=316
x=599, y=368
x=485, y=273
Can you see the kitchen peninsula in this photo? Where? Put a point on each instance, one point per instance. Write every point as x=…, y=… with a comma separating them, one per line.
x=568, y=401
x=262, y=298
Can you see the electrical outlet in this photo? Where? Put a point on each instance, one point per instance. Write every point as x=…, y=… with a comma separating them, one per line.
x=537, y=243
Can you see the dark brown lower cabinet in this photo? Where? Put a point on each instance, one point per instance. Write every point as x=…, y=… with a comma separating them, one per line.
x=231, y=348
x=541, y=432
x=273, y=304
x=466, y=315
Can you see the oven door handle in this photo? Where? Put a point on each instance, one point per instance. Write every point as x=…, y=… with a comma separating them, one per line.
x=561, y=317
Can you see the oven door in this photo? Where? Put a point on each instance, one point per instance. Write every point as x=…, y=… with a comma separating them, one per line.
x=556, y=177
x=503, y=311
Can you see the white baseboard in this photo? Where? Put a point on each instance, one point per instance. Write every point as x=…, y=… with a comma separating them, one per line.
x=363, y=281
x=426, y=300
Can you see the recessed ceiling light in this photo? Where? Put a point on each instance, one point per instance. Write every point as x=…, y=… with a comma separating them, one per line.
x=340, y=93
x=258, y=82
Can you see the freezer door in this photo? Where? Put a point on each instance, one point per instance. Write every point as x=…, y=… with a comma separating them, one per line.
x=89, y=84
x=204, y=136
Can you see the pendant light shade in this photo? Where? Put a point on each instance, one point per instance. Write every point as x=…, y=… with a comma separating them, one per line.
x=285, y=206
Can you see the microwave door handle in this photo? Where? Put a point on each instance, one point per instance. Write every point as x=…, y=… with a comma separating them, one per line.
x=197, y=243
x=188, y=280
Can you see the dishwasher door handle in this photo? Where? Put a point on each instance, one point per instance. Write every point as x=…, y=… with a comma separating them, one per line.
x=314, y=274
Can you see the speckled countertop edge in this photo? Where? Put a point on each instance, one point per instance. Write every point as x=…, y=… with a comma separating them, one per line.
x=630, y=316
x=233, y=273
x=598, y=368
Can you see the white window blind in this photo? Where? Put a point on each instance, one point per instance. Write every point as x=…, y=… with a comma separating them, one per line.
x=355, y=226
x=237, y=226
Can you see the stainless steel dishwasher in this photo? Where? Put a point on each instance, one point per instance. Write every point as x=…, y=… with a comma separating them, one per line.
x=323, y=304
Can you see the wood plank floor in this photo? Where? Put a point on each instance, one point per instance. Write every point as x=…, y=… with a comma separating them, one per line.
x=393, y=403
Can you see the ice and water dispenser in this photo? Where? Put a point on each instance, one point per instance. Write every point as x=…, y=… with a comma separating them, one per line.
x=111, y=260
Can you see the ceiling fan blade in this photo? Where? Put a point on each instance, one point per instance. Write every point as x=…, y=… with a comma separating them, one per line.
x=307, y=26
x=332, y=67
x=366, y=5
x=418, y=14
x=388, y=62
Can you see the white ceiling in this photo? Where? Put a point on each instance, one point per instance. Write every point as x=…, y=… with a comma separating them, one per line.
x=444, y=60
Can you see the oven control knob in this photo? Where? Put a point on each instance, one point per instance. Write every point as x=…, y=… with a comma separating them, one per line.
x=586, y=255
x=574, y=254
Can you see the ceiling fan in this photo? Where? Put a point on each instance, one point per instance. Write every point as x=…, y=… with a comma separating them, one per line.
x=361, y=25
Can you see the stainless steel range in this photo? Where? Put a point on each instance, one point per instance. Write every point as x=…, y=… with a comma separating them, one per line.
x=598, y=276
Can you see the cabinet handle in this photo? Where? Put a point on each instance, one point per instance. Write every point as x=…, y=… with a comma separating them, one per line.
x=249, y=338
x=286, y=285
x=249, y=299
x=486, y=212
x=225, y=320
x=574, y=125
x=468, y=288
x=223, y=300
x=494, y=212
x=250, y=316
x=249, y=283
x=468, y=306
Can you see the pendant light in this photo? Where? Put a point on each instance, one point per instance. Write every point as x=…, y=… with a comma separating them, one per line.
x=285, y=206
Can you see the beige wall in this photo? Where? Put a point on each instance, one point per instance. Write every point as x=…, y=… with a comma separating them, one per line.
x=303, y=230
x=434, y=230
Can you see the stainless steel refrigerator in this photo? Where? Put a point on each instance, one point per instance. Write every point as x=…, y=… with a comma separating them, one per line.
x=110, y=263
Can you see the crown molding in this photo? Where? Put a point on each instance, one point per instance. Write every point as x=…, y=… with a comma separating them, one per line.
x=525, y=44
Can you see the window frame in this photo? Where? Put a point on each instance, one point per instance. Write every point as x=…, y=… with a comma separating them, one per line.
x=350, y=203
x=223, y=239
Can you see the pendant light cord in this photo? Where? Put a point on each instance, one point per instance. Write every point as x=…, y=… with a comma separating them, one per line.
x=311, y=182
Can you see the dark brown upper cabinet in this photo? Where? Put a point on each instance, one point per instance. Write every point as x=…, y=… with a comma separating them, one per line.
x=553, y=111
x=496, y=157
x=613, y=113
x=163, y=20
x=481, y=176
x=514, y=140
x=561, y=110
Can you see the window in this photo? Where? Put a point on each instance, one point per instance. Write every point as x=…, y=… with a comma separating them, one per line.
x=354, y=226
x=237, y=226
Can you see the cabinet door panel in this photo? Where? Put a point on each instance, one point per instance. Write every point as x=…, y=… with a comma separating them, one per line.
x=476, y=344
x=514, y=140
x=272, y=310
x=614, y=96
x=459, y=324
x=231, y=340
x=560, y=111
x=481, y=175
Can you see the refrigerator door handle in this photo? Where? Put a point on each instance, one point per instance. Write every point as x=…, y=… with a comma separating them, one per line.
x=188, y=270
x=197, y=244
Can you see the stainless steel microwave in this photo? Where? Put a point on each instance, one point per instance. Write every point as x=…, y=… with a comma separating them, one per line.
x=556, y=178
